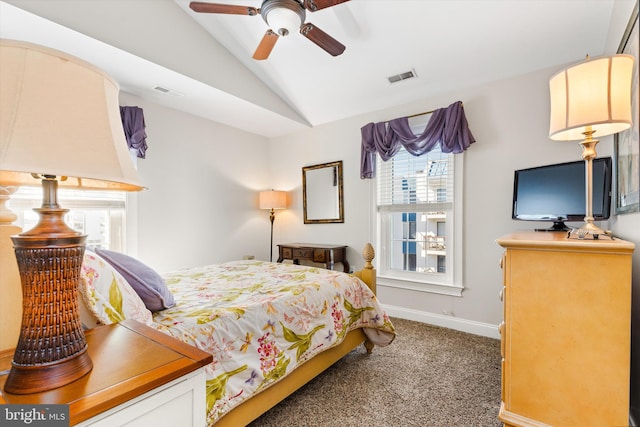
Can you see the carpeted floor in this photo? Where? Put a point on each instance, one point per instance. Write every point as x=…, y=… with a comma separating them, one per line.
x=428, y=377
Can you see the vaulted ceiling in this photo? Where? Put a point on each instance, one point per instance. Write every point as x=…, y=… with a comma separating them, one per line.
x=162, y=51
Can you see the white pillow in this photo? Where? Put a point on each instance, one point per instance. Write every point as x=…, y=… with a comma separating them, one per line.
x=107, y=294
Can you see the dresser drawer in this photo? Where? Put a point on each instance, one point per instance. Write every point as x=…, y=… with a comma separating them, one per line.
x=502, y=338
x=319, y=255
x=287, y=253
x=303, y=253
x=503, y=391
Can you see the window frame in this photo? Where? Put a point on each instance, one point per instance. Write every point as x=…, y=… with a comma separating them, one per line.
x=449, y=283
x=82, y=201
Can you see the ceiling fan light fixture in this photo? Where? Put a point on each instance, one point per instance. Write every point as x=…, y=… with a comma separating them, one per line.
x=283, y=21
x=283, y=16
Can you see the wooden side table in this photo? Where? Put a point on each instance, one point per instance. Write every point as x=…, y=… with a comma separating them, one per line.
x=140, y=376
x=323, y=254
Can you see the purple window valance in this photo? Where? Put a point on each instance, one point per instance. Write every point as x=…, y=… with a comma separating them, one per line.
x=133, y=125
x=447, y=126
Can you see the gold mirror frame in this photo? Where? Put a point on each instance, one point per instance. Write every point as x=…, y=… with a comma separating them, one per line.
x=322, y=193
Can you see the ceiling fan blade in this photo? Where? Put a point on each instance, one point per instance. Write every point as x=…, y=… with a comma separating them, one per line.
x=266, y=45
x=322, y=39
x=203, y=7
x=313, y=5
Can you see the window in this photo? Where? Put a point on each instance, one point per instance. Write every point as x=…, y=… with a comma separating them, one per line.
x=98, y=214
x=417, y=222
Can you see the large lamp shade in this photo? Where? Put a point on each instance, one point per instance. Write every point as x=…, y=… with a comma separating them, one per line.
x=593, y=93
x=60, y=116
x=273, y=199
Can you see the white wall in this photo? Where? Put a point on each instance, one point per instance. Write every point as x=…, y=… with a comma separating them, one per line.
x=201, y=205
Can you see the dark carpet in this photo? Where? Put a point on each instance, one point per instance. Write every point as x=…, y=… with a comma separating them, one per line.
x=428, y=377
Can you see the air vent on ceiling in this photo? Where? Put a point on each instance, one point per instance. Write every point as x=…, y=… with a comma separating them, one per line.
x=168, y=91
x=402, y=76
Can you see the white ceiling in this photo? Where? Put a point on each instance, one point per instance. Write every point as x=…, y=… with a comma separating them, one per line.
x=450, y=44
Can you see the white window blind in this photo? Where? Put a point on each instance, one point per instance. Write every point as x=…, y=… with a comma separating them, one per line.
x=407, y=183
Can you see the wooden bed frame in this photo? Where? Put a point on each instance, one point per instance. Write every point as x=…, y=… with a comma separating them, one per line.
x=10, y=287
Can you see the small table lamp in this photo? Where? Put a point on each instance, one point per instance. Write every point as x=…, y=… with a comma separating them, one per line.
x=59, y=124
x=272, y=199
x=591, y=97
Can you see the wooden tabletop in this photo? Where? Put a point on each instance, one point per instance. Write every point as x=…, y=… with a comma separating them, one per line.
x=560, y=240
x=129, y=359
x=312, y=245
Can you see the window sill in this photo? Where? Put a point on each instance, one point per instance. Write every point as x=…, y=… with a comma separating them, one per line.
x=434, y=288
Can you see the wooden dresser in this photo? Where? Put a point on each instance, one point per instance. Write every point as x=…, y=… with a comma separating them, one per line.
x=566, y=331
x=323, y=254
x=140, y=377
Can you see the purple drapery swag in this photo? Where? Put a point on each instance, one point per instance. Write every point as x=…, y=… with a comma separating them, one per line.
x=133, y=124
x=447, y=126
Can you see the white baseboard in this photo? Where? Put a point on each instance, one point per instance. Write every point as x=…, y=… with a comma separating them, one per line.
x=464, y=325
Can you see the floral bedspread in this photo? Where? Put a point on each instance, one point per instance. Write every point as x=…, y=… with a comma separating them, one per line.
x=261, y=320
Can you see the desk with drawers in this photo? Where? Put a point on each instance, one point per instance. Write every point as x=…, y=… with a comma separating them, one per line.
x=323, y=254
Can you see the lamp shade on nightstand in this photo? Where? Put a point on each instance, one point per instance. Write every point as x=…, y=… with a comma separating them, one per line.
x=60, y=116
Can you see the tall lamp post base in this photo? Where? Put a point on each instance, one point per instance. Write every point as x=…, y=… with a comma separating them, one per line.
x=272, y=217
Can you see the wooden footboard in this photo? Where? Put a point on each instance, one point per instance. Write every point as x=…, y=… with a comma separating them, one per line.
x=267, y=399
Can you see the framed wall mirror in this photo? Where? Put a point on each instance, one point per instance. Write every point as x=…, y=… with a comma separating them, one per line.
x=322, y=197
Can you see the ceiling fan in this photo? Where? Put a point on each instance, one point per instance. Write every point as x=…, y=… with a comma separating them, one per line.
x=282, y=17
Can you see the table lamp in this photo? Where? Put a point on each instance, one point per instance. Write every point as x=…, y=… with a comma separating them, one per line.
x=272, y=199
x=59, y=125
x=591, y=98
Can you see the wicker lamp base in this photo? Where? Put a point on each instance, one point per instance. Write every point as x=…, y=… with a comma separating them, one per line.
x=52, y=348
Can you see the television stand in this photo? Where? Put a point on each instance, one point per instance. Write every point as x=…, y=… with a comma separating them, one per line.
x=557, y=226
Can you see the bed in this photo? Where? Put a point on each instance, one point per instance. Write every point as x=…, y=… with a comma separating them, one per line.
x=270, y=327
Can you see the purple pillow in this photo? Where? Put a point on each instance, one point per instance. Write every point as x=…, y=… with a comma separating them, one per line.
x=147, y=283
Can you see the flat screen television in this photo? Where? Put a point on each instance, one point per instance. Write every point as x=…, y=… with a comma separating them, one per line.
x=556, y=193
